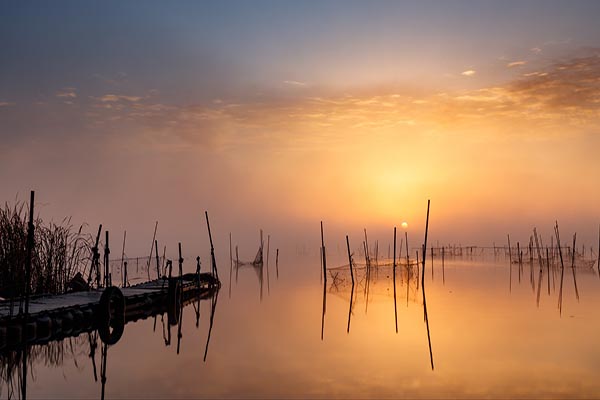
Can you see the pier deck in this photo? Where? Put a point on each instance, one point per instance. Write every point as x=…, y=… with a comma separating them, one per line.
x=54, y=317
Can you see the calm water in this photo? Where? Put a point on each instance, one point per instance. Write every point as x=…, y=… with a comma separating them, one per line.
x=489, y=338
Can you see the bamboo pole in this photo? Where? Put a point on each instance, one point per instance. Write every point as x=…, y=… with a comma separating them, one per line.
x=510, y=264
x=157, y=259
x=367, y=255
x=350, y=260
x=28, y=256
x=277, y=263
x=443, y=270
x=268, y=279
x=106, y=262
x=237, y=263
x=324, y=256
x=598, y=251
x=151, y=247
x=394, y=277
x=573, y=267
x=425, y=246
x=123, y=257
x=230, y=264
x=562, y=267
x=94, y=268
x=212, y=248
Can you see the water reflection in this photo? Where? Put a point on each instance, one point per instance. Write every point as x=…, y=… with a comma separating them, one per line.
x=373, y=280
x=17, y=363
x=430, y=349
x=551, y=262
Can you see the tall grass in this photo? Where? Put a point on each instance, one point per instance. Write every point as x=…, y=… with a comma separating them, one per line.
x=59, y=253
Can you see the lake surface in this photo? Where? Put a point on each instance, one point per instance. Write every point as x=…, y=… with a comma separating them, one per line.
x=486, y=335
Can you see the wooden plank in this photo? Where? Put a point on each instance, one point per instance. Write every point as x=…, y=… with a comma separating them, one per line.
x=83, y=299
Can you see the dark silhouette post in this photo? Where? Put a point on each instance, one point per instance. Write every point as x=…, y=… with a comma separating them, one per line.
x=106, y=262
x=157, y=259
x=212, y=318
x=394, y=277
x=212, y=248
x=230, y=263
x=598, y=263
x=425, y=247
x=324, y=256
x=277, y=263
x=95, y=267
x=350, y=260
x=123, y=258
x=30, y=244
x=151, y=248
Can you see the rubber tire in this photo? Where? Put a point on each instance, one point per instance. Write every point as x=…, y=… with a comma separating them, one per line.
x=108, y=319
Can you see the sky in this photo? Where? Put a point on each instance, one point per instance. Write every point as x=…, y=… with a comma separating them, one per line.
x=279, y=114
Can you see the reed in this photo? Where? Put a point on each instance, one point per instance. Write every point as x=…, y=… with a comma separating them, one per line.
x=59, y=252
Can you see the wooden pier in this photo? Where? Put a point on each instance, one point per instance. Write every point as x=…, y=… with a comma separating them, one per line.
x=105, y=309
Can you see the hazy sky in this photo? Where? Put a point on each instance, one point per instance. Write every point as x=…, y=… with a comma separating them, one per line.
x=279, y=114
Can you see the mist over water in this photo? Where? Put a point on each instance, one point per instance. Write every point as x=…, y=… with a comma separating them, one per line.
x=488, y=337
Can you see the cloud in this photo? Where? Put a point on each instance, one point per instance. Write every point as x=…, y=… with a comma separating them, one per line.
x=295, y=83
x=516, y=64
x=468, y=72
x=112, y=98
x=536, y=50
x=6, y=104
x=67, y=93
x=558, y=98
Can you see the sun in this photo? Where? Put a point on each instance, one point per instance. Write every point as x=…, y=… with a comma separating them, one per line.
x=404, y=225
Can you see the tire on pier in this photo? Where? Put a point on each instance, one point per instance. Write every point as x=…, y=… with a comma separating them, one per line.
x=111, y=315
x=174, y=301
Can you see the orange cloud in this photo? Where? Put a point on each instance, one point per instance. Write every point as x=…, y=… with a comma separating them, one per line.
x=67, y=93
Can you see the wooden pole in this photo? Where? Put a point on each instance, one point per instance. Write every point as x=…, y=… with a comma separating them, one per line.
x=407, y=255
x=123, y=257
x=237, y=263
x=350, y=260
x=95, y=260
x=425, y=246
x=106, y=262
x=394, y=278
x=573, y=267
x=180, y=262
x=367, y=256
x=443, y=270
x=324, y=256
x=277, y=263
x=151, y=247
x=163, y=267
x=268, y=279
x=28, y=257
x=212, y=248
x=562, y=267
x=598, y=251
x=157, y=259
x=431, y=262
x=230, y=264
x=509, y=249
